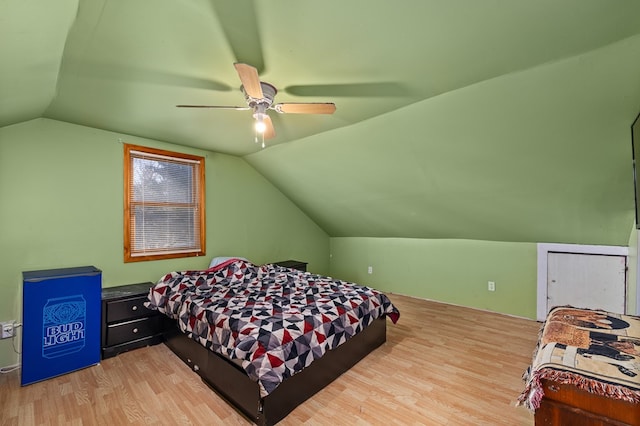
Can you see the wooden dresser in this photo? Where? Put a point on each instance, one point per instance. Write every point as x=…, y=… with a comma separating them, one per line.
x=126, y=323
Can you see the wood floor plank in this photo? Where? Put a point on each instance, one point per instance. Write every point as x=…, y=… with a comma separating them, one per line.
x=441, y=365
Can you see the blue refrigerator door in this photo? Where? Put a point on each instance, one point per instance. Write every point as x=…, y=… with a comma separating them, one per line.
x=61, y=321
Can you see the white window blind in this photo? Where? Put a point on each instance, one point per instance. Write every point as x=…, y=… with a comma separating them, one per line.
x=165, y=205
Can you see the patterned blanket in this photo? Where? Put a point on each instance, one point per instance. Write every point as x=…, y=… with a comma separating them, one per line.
x=596, y=351
x=274, y=320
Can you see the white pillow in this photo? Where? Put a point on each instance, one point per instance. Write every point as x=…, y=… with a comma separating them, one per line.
x=221, y=259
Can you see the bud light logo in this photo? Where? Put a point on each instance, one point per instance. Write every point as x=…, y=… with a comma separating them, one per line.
x=63, y=326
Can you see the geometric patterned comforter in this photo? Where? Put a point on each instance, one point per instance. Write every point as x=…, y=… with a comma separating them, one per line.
x=274, y=320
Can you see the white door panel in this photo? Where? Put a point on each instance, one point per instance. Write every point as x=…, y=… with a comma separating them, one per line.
x=586, y=281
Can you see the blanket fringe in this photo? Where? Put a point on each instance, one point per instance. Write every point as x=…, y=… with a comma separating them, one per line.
x=531, y=397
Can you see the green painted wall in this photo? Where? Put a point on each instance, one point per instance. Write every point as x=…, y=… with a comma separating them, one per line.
x=508, y=159
x=61, y=206
x=452, y=271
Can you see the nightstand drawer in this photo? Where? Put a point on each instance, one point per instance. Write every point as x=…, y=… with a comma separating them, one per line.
x=128, y=309
x=293, y=264
x=132, y=330
x=126, y=323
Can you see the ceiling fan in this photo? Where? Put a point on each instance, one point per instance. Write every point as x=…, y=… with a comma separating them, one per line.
x=259, y=96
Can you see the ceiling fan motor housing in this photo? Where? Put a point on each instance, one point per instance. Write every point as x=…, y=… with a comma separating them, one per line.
x=268, y=93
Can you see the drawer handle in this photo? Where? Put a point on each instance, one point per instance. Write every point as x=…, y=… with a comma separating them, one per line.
x=134, y=308
x=135, y=330
x=196, y=368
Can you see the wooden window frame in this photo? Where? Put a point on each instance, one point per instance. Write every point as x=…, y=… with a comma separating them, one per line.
x=198, y=196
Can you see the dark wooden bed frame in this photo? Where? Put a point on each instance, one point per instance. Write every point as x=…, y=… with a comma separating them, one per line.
x=565, y=404
x=233, y=384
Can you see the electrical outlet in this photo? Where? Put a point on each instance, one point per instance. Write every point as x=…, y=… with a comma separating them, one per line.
x=491, y=286
x=370, y=270
x=7, y=329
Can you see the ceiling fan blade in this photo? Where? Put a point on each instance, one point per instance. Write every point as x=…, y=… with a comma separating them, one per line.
x=250, y=80
x=306, y=108
x=360, y=90
x=239, y=22
x=269, y=132
x=214, y=106
x=130, y=73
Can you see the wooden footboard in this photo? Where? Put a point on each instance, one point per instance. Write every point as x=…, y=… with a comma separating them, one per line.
x=567, y=405
x=231, y=382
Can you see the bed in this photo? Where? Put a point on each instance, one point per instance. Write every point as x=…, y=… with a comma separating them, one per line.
x=267, y=337
x=585, y=369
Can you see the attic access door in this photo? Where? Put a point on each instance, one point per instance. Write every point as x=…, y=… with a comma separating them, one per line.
x=581, y=276
x=586, y=281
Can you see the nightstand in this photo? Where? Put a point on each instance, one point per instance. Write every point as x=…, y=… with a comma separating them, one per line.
x=293, y=264
x=126, y=323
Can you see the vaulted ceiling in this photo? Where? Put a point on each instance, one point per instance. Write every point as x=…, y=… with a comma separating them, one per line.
x=480, y=119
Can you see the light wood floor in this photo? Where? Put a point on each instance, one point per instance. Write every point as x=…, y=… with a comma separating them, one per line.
x=441, y=365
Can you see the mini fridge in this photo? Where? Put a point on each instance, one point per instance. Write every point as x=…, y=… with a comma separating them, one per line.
x=61, y=321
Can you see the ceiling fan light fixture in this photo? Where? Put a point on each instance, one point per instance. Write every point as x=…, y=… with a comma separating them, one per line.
x=260, y=114
x=259, y=125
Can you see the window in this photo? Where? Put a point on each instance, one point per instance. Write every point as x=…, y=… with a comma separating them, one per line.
x=163, y=204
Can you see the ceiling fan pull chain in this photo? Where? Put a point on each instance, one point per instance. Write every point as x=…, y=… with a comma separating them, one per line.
x=256, y=138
